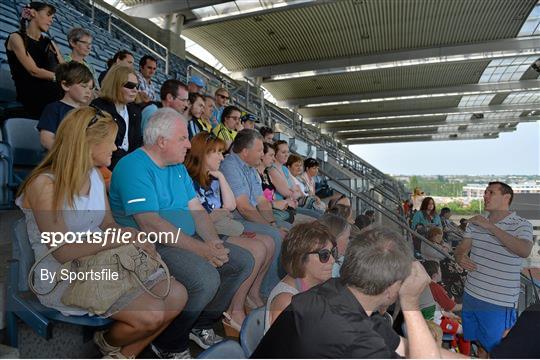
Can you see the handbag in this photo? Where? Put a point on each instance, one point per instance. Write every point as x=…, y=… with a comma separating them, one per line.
x=132, y=265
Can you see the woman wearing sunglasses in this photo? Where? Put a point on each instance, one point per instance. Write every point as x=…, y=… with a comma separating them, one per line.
x=118, y=92
x=308, y=254
x=65, y=193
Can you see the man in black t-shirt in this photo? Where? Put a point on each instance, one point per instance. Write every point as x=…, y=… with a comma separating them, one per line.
x=521, y=341
x=341, y=317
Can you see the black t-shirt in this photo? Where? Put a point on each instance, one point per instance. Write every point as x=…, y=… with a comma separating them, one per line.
x=52, y=116
x=521, y=341
x=328, y=322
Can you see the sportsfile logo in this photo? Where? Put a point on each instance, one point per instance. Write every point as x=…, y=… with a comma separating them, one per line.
x=109, y=236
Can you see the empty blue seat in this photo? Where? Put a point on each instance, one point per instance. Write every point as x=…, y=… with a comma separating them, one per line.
x=252, y=330
x=26, y=151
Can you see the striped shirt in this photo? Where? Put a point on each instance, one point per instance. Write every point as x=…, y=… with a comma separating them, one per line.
x=496, y=279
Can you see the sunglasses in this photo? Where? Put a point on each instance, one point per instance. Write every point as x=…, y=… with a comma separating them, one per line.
x=99, y=114
x=324, y=254
x=223, y=96
x=131, y=85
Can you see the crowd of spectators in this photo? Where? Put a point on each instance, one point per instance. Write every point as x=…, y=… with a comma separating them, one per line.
x=254, y=228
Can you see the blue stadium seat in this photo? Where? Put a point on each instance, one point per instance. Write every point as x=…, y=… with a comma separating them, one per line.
x=252, y=330
x=6, y=188
x=26, y=150
x=226, y=349
x=24, y=305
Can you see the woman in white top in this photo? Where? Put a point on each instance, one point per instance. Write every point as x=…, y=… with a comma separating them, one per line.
x=308, y=253
x=66, y=193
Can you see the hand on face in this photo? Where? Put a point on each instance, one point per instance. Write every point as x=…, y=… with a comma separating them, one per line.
x=412, y=287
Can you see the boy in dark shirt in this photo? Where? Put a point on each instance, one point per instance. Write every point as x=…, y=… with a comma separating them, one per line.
x=77, y=83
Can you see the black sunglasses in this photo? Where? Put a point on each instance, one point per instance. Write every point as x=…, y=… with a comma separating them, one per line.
x=224, y=96
x=99, y=114
x=324, y=254
x=131, y=85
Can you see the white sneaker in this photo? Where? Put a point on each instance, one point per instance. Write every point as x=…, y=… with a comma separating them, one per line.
x=186, y=354
x=204, y=337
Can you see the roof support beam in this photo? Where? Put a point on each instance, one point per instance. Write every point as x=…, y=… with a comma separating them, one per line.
x=432, y=130
x=355, y=118
x=465, y=89
x=415, y=139
x=400, y=124
x=259, y=12
x=321, y=67
x=157, y=8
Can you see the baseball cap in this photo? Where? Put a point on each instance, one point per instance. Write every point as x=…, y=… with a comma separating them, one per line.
x=248, y=117
x=197, y=81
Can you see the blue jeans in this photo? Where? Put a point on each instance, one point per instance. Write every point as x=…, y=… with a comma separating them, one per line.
x=210, y=290
x=275, y=272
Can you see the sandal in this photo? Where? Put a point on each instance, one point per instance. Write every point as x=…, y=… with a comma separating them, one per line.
x=231, y=327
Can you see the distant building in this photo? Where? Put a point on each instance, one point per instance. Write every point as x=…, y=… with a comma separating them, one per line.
x=477, y=190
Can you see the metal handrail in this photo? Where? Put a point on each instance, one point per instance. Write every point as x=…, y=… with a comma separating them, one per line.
x=376, y=188
x=164, y=58
x=388, y=213
x=92, y=6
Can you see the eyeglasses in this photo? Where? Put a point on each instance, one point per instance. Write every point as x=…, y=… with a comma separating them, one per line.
x=99, y=114
x=131, y=85
x=89, y=43
x=224, y=96
x=324, y=254
x=179, y=98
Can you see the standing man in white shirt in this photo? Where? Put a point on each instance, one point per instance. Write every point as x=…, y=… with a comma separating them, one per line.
x=492, y=251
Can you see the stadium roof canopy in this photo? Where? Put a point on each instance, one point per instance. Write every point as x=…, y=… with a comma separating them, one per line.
x=372, y=71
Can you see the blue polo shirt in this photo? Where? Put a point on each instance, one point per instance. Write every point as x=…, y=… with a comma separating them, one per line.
x=242, y=178
x=139, y=185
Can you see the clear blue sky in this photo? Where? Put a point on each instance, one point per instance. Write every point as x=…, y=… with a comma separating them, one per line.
x=515, y=153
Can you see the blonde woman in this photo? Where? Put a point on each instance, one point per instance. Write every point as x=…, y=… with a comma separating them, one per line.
x=66, y=193
x=118, y=93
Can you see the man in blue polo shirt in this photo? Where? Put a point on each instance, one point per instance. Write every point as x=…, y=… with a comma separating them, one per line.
x=252, y=208
x=497, y=246
x=151, y=190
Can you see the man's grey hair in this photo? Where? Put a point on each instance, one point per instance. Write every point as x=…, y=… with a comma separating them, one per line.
x=245, y=139
x=160, y=124
x=376, y=259
x=77, y=34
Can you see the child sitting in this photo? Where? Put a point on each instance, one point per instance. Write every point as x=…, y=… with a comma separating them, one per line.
x=77, y=83
x=441, y=311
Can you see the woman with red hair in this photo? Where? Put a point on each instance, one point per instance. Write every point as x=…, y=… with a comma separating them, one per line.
x=218, y=199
